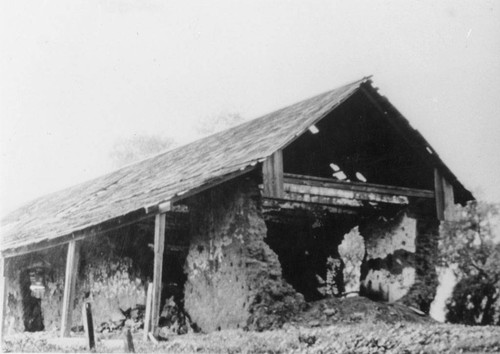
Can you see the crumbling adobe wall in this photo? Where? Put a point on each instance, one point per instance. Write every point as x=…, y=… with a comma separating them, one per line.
x=352, y=252
x=234, y=279
x=111, y=277
x=13, y=320
x=423, y=291
x=388, y=270
x=400, y=262
x=53, y=261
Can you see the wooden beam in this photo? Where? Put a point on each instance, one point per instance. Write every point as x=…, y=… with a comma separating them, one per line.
x=439, y=195
x=274, y=204
x=147, y=317
x=3, y=297
x=356, y=186
x=445, y=198
x=272, y=175
x=333, y=196
x=88, y=325
x=449, y=200
x=69, y=287
x=159, y=247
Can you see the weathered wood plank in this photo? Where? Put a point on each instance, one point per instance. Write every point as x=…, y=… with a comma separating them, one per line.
x=356, y=186
x=272, y=175
x=311, y=194
x=439, y=195
x=445, y=197
x=275, y=204
x=159, y=247
x=3, y=296
x=147, y=317
x=449, y=200
x=128, y=345
x=69, y=287
x=88, y=325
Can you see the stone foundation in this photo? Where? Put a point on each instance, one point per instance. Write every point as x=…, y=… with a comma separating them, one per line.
x=234, y=278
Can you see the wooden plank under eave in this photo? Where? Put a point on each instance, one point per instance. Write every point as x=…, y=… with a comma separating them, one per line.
x=272, y=175
x=445, y=197
x=278, y=173
x=438, y=194
x=3, y=296
x=72, y=259
x=449, y=201
x=328, y=183
x=159, y=247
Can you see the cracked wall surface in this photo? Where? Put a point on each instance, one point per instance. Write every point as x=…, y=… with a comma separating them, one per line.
x=400, y=262
x=107, y=278
x=388, y=270
x=234, y=278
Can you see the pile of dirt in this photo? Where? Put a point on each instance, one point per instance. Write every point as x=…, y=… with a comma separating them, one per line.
x=356, y=309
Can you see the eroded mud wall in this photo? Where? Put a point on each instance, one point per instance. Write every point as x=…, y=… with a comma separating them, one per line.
x=388, y=271
x=19, y=313
x=113, y=270
x=400, y=262
x=234, y=278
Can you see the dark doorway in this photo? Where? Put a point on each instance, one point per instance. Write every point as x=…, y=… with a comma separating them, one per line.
x=32, y=306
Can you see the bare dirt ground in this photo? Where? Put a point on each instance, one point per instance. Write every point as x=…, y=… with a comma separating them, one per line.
x=352, y=325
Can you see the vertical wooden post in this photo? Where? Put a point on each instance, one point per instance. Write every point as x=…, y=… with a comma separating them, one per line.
x=88, y=325
x=272, y=175
x=3, y=296
x=449, y=200
x=128, y=342
x=69, y=287
x=438, y=194
x=157, y=271
x=445, y=198
x=147, y=317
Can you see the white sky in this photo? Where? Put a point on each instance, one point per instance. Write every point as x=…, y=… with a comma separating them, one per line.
x=76, y=75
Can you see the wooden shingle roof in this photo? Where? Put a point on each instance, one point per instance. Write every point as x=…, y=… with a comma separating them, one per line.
x=166, y=176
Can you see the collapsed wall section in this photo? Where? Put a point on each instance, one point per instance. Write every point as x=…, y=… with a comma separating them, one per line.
x=234, y=279
x=400, y=259
x=388, y=271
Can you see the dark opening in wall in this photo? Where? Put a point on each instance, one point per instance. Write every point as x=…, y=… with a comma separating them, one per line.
x=307, y=247
x=32, y=309
x=172, y=314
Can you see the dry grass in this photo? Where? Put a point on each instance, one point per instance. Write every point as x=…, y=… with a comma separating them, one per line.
x=351, y=338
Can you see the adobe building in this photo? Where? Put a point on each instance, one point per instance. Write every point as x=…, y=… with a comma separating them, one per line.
x=240, y=228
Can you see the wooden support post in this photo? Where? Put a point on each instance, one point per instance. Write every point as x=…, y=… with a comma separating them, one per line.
x=157, y=271
x=88, y=325
x=147, y=317
x=128, y=342
x=445, y=198
x=3, y=297
x=69, y=287
x=449, y=201
x=438, y=194
x=272, y=175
